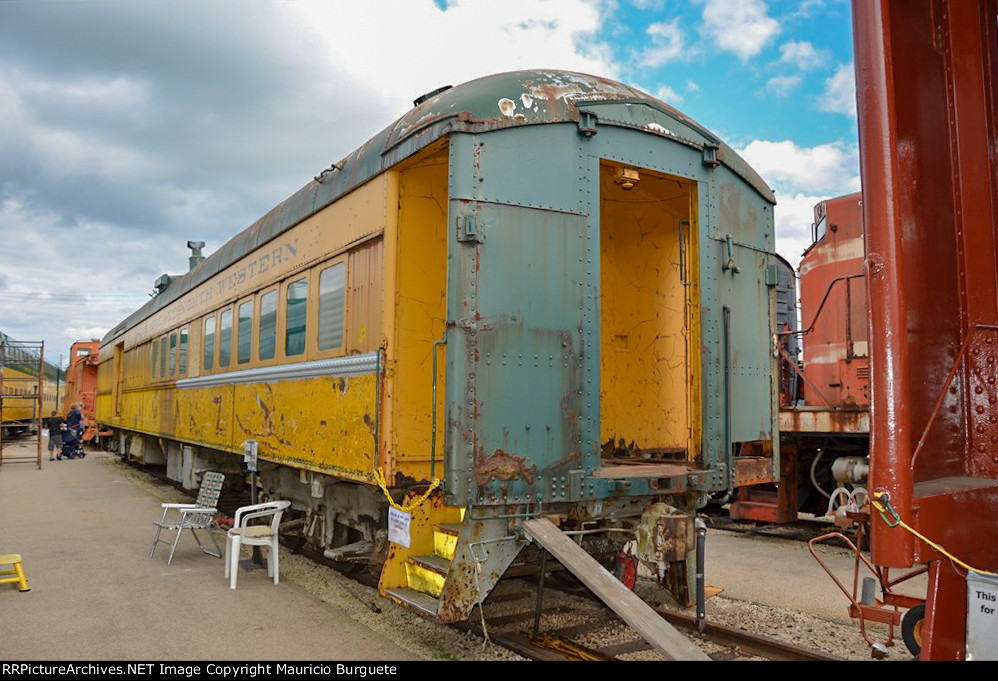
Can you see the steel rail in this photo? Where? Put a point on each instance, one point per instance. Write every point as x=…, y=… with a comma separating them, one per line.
x=761, y=646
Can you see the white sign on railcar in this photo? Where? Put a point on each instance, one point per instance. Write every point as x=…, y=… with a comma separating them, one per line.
x=398, y=527
x=982, y=616
x=250, y=455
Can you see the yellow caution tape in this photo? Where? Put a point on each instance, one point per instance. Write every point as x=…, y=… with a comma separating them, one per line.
x=379, y=477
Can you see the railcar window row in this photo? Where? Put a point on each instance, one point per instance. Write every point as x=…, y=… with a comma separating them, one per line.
x=293, y=319
x=302, y=316
x=169, y=354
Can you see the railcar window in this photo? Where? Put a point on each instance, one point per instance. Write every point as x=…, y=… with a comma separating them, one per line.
x=268, y=324
x=225, y=338
x=173, y=353
x=245, y=339
x=294, y=339
x=331, y=290
x=820, y=229
x=155, y=354
x=162, y=357
x=209, y=343
x=182, y=361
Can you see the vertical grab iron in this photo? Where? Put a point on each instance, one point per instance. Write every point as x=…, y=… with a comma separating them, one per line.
x=682, y=253
x=377, y=406
x=433, y=436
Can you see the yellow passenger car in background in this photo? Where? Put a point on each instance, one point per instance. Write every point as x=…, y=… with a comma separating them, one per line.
x=21, y=363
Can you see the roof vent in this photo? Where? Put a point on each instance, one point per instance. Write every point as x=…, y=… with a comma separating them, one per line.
x=422, y=98
x=163, y=283
x=196, y=257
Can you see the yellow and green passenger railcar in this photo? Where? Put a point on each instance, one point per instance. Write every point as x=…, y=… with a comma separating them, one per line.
x=551, y=292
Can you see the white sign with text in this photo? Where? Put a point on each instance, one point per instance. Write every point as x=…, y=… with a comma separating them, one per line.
x=982, y=616
x=398, y=527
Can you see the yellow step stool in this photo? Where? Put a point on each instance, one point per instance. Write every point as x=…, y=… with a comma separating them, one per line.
x=18, y=572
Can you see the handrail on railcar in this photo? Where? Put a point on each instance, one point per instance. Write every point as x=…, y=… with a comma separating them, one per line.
x=817, y=314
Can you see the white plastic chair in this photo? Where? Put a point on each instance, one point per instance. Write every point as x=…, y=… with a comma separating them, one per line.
x=254, y=535
x=197, y=516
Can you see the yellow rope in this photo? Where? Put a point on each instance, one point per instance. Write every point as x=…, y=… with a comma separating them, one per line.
x=566, y=648
x=875, y=500
x=379, y=477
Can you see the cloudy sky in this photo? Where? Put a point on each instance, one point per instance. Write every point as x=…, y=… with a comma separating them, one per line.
x=127, y=128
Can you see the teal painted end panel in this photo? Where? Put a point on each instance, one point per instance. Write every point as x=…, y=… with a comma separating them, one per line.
x=738, y=319
x=514, y=430
x=533, y=166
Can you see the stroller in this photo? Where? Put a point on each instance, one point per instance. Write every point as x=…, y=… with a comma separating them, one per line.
x=72, y=444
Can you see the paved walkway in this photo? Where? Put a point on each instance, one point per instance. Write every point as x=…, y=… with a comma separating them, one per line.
x=85, y=531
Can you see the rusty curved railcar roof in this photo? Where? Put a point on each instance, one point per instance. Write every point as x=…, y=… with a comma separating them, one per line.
x=493, y=102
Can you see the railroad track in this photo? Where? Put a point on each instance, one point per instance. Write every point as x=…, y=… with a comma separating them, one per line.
x=801, y=530
x=562, y=643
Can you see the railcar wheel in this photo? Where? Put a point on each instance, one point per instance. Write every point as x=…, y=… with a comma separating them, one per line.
x=912, y=623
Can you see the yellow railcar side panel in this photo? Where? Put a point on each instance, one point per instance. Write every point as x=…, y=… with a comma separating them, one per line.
x=104, y=408
x=204, y=416
x=322, y=424
x=421, y=312
x=365, y=293
x=17, y=385
x=104, y=378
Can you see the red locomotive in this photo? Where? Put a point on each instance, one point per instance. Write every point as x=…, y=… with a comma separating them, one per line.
x=824, y=410
x=81, y=382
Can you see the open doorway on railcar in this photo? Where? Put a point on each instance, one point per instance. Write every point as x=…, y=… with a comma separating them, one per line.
x=421, y=311
x=649, y=316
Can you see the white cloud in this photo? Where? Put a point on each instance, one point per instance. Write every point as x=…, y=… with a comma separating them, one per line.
x=54, y=145
x=783, y=85
x=840, y=92
x=560, y=34
x=802, y=55
x=806, y=8
x=668, y=95
x=793, y=216
x=825, y=169
x=667, y=44
x=692, y=87
x=742, y=27
x=57, y=281
x=74, y=333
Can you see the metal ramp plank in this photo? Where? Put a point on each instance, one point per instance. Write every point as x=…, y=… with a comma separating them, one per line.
x=661, y=635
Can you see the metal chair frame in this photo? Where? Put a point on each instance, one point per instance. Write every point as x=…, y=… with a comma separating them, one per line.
x=197, y=516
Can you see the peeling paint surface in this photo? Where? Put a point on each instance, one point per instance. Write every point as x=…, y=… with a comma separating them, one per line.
x=659, y=128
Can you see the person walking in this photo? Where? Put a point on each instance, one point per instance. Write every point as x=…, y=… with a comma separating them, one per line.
x=54, y=424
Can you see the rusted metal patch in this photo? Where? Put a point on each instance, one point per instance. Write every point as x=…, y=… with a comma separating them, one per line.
x=817, y=420
x=502, y=466
x=752, y=470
